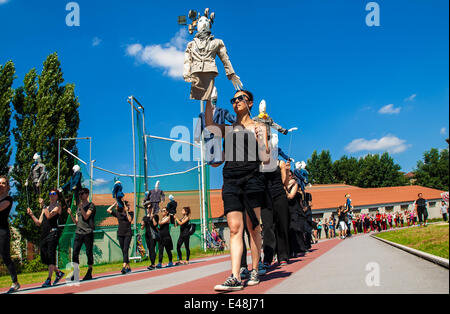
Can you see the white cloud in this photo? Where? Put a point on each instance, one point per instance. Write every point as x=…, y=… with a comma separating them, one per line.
x=389, y=109
x=96, y=182
x=96, y=41
x=169, y=56
x=3, y=1
x=443, y=131
x=389, y=143
x=411, y=98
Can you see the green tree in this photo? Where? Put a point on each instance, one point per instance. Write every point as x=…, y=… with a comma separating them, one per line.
x=55, y=108
x=376, y=171
x=433, y=170
x=320, y=168
x=7, y=75
x=346, y=170
x=25, y=108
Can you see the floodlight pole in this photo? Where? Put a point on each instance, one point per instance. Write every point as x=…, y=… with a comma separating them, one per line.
x=203, y=207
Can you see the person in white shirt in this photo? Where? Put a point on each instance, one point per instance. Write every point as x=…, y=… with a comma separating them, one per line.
x=444, y=210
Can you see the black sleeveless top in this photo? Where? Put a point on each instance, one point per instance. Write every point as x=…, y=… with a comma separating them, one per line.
x=241, y=153
x=274, y=182
x=48, y=224
x=4, y=214
x=164, y=231
x=184, y=229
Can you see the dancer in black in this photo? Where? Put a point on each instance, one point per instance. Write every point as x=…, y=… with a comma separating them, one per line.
x=296, y=225
x=246, y=145
x=150, y=223
x=6, y=203
x=48, y=221
x=84, y=233
x=184, y=235
x=165, y=241
x=275, y=219
x=125, y=218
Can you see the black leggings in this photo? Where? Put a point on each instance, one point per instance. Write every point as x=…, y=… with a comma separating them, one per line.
x=151, y=246
x=5, y=253
x=423, y=214
x=276, y=230
x=183, y=239
x=124, y=242
x=48, y=248
x=165, y=244
x=88, y=241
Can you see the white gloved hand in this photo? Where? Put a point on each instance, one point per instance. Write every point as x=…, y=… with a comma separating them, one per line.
x=236, y=80
x=292, y=160
x=60, y=190
x=26, y=183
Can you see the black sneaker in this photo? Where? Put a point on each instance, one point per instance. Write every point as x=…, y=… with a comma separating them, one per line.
x=88, y=275
x=59, y=275
x=47, y=283
x=245, y=274
x=254, y=278
x=231, y=284
x=151, y=267
x=123, y=271
x=14, y=288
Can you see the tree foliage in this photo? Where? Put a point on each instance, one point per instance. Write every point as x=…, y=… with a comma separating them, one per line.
x=7, y=75
x=368, y=172
x=45, y=111
x=433, y=170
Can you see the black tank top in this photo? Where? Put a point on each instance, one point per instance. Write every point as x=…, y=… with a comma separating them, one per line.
x=48, y=224
x=241, y=153
x=274, y=182
x=184, y=229
x=164, y=231
x=4, y=214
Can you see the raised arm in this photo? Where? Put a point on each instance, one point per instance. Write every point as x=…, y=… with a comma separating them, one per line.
x=217, y=129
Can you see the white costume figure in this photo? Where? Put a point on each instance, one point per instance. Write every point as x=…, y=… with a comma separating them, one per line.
x=37, y=174
x=263, y=117
x=199, y=60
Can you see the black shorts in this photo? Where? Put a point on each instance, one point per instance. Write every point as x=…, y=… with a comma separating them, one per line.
x=249, y=194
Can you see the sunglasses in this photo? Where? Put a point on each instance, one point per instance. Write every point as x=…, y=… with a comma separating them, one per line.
x=240, y=98
x=52, y=193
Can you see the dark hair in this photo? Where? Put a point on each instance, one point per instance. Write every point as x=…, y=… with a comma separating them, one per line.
x=84, y=190
x=419, y=194
x=187, y=209
x=248, y=93
x=57, y=192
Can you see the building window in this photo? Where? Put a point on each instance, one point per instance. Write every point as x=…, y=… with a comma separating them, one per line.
x=373, y=210
x=389, y=208
x=356, y=211
x=432, y=204
x=317, y=216
x=404, y=207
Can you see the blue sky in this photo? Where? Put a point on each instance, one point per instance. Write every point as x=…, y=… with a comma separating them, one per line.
x=349, y=88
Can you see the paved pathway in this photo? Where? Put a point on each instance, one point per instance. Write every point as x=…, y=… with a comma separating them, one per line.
x=334, y=266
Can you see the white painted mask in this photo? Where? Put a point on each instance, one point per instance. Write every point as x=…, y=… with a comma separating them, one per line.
x=203, y=24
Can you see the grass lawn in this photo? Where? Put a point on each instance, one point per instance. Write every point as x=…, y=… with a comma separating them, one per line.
x=433, y=239
x=33, y=278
